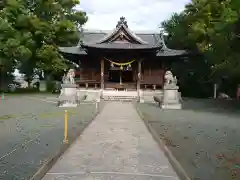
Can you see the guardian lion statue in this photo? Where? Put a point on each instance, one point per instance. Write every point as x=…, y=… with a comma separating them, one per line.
x=69, y=78
x=169, y=79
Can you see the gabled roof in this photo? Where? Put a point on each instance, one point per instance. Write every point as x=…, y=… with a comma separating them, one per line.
x=93, y=36
x=122, y=45
x=121, y=30
x=122, y=38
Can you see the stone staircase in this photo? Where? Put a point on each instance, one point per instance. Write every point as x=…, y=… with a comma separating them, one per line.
x=91, y=95
x=126, y=96
x=112, y=95
x=148, y=95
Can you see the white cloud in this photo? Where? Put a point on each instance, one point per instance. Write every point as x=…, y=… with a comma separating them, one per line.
x=140, y=14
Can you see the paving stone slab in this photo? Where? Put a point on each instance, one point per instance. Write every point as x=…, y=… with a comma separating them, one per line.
x=116, y=144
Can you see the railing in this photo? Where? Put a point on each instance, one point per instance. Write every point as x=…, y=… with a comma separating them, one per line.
x=118, y=86
x=88, y=83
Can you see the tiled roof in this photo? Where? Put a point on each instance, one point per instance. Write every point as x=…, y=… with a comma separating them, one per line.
x=94, y=35
x=121, y=45
x=144, y=40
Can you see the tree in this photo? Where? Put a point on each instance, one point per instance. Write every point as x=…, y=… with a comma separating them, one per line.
x=213, y=28
x=37, y=28
x=194, y=71
x=12, y=44
x=178, y=31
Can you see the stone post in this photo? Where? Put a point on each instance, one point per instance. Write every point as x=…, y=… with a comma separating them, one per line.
x=215, y=91
x=139, y=77
x=102, y=77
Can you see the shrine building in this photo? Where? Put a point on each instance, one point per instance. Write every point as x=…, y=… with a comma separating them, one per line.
x=121, y=59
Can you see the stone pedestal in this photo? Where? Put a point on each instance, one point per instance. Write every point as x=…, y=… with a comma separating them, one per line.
x=68, y=96
x=171, y=98
x=42, y=86
x=141, y=96
x=98, y=98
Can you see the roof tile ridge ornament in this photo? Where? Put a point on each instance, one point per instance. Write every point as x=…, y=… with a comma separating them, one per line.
x=122, y=23
x=162, y=40
x=164, y=47
x=80, y=42
x=158, y=42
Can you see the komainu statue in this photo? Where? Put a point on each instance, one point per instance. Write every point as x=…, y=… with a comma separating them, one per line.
x=69, y=78
x=171, y=96
x=169, y=79
x=68, y=96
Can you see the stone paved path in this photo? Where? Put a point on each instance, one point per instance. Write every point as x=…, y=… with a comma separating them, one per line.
x=117, y=145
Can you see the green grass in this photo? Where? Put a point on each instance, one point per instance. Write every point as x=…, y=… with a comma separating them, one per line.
x=7, y=116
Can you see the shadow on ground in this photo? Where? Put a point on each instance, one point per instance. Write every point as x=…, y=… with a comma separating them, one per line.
x=204, y=136
x=230, y=107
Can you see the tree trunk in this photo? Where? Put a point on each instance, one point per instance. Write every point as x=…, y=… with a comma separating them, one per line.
x=49, y=82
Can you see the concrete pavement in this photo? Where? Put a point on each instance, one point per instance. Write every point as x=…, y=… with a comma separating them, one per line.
x=117, y=145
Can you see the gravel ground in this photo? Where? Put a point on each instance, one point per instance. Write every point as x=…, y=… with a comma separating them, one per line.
x=204, y=137
x=31, y=131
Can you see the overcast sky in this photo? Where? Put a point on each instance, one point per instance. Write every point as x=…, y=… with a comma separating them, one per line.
x=140, y=14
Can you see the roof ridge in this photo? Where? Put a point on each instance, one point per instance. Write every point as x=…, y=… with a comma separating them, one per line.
x=135, y=36
x=147, y=32
x=114, y=31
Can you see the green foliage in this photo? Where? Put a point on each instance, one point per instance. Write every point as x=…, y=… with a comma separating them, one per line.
x=50, y=85
x=178, y=29
x=211, y=27
x=31, y=31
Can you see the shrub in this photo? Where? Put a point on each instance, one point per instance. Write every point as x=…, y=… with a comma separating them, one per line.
x=50, y=86
x=26, y=90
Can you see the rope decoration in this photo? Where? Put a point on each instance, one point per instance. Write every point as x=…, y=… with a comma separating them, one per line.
x=121, y=64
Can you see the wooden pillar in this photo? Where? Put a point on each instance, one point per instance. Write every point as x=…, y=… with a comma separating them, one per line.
x=163, y=79
x=102, y=76
x=92, y=78
x=120, y=77
x=139, y=77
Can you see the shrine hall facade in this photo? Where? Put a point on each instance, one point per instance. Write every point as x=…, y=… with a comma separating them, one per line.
x=121, y=59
